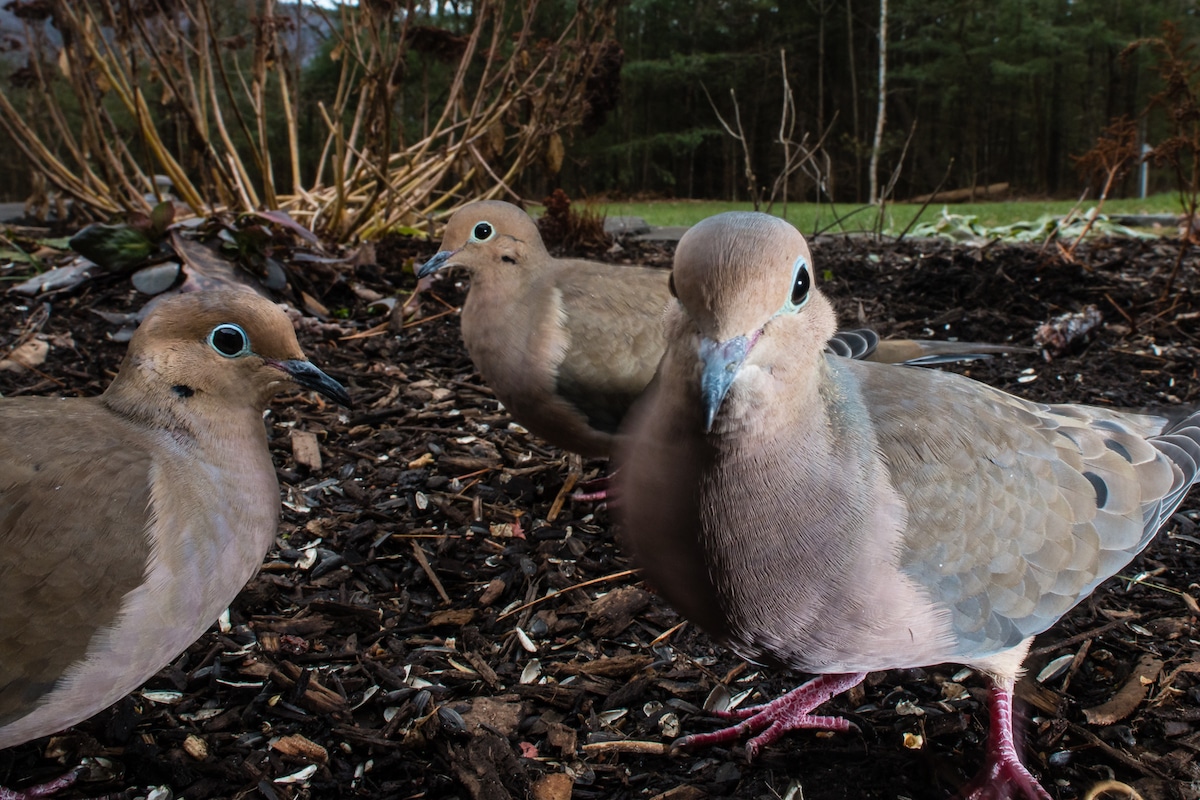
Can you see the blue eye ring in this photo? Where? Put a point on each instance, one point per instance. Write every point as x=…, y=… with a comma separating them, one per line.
x=482, y=231
x=229, y=340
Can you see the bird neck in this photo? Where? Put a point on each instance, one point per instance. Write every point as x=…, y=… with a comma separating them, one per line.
x=191, y=417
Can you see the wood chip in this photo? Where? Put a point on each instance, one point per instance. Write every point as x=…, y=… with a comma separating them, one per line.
x=195, y=747
x=614, y=612
x=300, y=747
x=306, y=450
x=555, y=786
x=615, y=667
x=456, y=617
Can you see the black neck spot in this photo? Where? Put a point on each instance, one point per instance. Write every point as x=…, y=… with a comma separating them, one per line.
x=182, y=390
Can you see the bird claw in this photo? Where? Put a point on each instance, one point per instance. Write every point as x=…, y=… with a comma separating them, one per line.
x=1003, y=775
x=1001, y=779
x=787, y=713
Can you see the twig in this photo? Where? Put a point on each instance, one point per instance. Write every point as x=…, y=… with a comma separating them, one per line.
x=628, y=746
x=556, y=592
x=423, y=560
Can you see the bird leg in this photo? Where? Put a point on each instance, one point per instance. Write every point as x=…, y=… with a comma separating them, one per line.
x=593, y=491
x=783, y=714
x=43, y=789
x=1002, y=771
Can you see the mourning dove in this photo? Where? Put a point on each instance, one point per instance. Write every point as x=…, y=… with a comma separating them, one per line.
x=129, y=521
x=840, y=517
x=567, y=345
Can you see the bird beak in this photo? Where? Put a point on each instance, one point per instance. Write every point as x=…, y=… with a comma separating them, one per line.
x=722, y=360
x=310, y=377
x=434, y=264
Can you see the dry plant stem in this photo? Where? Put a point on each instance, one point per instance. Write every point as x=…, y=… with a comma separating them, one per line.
x=1065, y=221
x=739, y=136
x=890, y=187
x=507, y=97
x=109, y=63
x=927, y=203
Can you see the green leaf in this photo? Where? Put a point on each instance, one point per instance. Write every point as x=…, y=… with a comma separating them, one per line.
x=115, y=247
x=161, y=217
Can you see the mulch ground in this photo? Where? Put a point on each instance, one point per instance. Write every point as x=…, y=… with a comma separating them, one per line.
x=428, y=627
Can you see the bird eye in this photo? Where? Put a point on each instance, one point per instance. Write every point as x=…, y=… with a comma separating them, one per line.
x=482, y=232
x=671, y=285
x=801, y=283
x=229, y=340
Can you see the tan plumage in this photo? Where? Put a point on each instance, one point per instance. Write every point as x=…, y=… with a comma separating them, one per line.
x=841, y=517
x=129, y=521
x=568, y=345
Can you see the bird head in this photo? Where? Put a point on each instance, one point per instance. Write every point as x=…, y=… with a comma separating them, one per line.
x=483, y=236
x=745, y=288
x=230, y=346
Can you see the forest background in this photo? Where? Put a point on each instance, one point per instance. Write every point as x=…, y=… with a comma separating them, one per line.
x=976, y=93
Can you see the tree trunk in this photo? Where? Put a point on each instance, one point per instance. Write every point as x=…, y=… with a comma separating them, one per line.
x=854, y=102
x=880, y=114
x=823, y=10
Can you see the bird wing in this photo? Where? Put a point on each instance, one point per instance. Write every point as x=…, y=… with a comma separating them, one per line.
x=1017, y=510
x=613, y=320
x=74, y=509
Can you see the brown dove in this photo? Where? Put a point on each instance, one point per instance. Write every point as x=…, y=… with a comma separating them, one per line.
x=129, y=521
x=839, y=517
x=567, y=345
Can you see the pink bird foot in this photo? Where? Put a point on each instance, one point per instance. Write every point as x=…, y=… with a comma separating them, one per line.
x=593, y=491
x=43, y=789
x=787, y=713
x=1003, y=775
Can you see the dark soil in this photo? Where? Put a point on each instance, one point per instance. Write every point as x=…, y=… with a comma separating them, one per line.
x=408, y=640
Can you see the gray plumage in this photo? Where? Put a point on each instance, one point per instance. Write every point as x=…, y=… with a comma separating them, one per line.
x=840, y=517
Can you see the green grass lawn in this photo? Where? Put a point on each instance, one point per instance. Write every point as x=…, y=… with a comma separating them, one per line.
x=809, y=217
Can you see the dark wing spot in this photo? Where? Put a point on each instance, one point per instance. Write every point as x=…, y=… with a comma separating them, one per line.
x=1100, y=486
x=1119, y=449
x=183, y=391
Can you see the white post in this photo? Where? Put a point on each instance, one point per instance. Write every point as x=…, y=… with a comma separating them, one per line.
x=1144, y=177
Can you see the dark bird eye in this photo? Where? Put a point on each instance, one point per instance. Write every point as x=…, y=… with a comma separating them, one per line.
x=483, y=231
x=229, y=340
x=671, y=285
x=803, y=283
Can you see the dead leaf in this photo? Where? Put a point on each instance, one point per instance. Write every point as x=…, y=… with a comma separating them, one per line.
x=1127, y=698
x=26, y=356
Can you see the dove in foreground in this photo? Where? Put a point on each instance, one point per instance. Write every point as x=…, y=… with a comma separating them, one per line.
x=840, y=517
